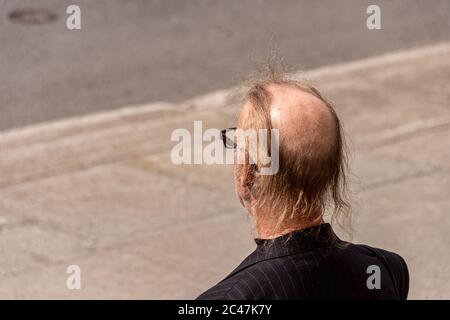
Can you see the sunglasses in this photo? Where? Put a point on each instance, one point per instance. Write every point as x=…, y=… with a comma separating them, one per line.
x=228, y=138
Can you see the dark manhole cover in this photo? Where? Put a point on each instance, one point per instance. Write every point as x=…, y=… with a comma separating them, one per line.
x=32, y=16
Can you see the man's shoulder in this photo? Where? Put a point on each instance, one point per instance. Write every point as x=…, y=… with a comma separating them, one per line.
x=275, y=278
x=393, y=262
x=389, y=257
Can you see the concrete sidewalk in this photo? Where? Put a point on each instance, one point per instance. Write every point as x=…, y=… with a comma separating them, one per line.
x=101, y=192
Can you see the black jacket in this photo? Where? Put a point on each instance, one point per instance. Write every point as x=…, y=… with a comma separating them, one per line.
x=314, y=264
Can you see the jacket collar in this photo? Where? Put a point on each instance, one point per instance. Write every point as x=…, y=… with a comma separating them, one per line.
x=304, y=240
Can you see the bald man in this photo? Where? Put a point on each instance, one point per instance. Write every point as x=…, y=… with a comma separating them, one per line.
x=298, y=255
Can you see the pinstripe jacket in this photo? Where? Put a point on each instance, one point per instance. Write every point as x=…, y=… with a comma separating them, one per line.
x=314, y=264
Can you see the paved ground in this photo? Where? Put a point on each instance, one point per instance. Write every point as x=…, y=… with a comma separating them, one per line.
x=132, y=52
x=100, y=191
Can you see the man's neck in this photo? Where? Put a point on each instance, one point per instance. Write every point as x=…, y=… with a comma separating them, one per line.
x=267, y=228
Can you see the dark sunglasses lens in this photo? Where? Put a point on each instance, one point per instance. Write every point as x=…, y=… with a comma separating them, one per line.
x=228, y=138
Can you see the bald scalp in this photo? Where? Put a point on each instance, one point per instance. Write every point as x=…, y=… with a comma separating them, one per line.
x=305, y=122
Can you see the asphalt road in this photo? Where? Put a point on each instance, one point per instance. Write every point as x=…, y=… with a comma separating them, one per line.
x=131, y=52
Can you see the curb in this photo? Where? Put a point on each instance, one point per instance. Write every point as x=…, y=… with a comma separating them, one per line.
x=208, y=102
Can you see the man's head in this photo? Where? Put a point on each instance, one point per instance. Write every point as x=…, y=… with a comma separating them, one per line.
x=312, y=162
